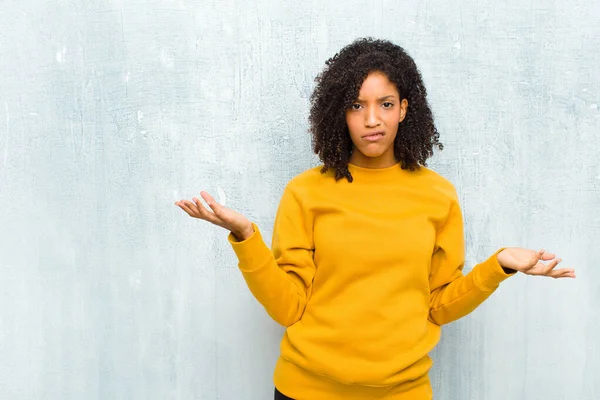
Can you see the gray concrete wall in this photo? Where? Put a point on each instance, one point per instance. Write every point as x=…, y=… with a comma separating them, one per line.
x=112, y=110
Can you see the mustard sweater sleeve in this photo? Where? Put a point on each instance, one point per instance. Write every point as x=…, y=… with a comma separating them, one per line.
x=454, y=295
x=281, y=278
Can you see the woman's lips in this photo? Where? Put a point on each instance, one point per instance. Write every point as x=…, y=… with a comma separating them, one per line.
x=373, y=137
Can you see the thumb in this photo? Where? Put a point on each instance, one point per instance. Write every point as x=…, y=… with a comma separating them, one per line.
x=209, y=199
x=545, y=256
x=218, y=209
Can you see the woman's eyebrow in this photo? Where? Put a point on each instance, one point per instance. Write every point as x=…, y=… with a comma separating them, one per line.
x=389, y=96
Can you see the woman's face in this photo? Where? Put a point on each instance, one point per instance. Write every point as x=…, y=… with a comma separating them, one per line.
x=373, y=122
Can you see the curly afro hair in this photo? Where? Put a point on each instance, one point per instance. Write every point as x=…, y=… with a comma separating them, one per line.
x=337, y=87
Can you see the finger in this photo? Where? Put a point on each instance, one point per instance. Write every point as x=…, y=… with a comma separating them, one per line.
x=192, y=206
x=562, y=273
x=208, y=198
x=201, y=208
x=549, y=267
x=541, y=253
x=212, y=203
x=201, y=212
x=540, y=268
x=545, y=256
x=535, y=259
x=207, y=214
x=194, y=211
x=185, y=208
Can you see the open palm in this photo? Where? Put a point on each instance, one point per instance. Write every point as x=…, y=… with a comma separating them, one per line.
x=220, y=215
x=530, y=262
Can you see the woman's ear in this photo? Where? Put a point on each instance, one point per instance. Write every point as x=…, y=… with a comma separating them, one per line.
x=403, y=109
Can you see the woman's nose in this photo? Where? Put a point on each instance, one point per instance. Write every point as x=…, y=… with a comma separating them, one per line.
x=371, y=117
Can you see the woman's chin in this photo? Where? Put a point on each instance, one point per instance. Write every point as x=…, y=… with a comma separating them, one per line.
x=372, y=153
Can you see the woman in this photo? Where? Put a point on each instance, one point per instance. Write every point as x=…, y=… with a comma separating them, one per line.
x=367, y=249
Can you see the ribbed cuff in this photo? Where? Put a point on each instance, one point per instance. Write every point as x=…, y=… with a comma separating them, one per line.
x=489, y=274
x=252, y=253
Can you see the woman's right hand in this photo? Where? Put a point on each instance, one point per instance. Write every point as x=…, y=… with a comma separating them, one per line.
x=221, y=216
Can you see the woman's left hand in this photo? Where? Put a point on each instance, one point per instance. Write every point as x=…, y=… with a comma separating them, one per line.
x=530, y=262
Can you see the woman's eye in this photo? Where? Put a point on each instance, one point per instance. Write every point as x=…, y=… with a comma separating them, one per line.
x=355, y=106
x=387, y=104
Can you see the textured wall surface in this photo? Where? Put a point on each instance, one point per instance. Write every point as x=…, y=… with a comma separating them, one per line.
x=112, y=110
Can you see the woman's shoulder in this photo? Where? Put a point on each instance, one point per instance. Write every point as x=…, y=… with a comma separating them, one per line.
x=437, y=181
x=434, y=175
x=309, y=178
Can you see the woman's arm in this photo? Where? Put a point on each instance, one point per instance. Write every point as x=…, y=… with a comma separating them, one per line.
x=454, y=295
x=281, y=278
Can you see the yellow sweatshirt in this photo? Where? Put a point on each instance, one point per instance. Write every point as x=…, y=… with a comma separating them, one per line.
x=363, y=274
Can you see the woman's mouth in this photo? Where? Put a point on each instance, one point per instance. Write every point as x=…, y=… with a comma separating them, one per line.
x=373, y=137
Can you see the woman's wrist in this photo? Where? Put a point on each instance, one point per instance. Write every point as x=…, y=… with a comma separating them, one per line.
x=245, y=234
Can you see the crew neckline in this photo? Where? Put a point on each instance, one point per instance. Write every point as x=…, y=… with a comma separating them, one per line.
x=375, y=174
x=354, y=166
